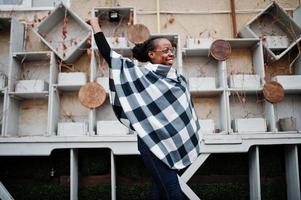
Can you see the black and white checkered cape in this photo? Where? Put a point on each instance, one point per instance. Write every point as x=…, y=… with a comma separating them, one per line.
x=154, y=101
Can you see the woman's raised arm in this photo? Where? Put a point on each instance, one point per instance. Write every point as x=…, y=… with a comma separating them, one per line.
x=101, y=42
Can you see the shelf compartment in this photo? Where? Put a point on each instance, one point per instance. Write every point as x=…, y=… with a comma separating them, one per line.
x=124, y=16
x=29, y=75
x=202, y=83
x=66, y=107
x=250, y=125
x=203, y=86
x=199, y=68
x=289, y=107
x=207, y=126
x=273, y=21
x=244, y=81
x=64, y=33
x=104, y=116
x=249, y=109
x=286, y=71
x=72, y=129
x=212, y=113
x=111, y=128
x=116, y=37
x=71, y=81
x=290, y=83
x=29, y=117
x=31, y=86
x=245, y=66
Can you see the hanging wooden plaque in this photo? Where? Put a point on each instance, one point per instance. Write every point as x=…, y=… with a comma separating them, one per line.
x=138, y=33
x=220, y=50
x=92, y=95
x=273, y=92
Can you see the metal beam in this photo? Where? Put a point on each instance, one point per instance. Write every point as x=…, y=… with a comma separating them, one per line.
x=73, y=174
x=292, y=172
x=113, y=177
x=254, y=173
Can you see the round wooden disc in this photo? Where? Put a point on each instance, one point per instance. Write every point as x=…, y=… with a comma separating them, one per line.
x=92, y=95
x=138, y=33
x=220, y=50
x=273, y=92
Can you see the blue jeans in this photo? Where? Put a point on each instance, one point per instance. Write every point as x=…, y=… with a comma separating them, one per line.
x=166, y=184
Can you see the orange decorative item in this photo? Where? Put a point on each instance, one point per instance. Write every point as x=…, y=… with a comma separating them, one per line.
x=220, y=50
x=273, y=92
x=138, y=33
x=92, y=95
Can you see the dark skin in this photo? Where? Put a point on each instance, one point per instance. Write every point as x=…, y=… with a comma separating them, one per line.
x=158, y=57
x=162, y=53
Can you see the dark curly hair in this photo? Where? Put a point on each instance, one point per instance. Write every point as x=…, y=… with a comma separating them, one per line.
x=140, y=51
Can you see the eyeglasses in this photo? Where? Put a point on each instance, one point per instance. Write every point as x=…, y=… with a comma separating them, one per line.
x=167, y=50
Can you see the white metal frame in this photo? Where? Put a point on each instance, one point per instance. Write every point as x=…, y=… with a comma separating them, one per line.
x=126, y=144
x=28, y=5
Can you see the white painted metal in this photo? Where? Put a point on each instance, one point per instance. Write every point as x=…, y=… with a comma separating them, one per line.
x=104, y=82
x=297, y=15
x=126, y=144
x=73, y=174
x=292, y=172
x=194, y=167
x=113, y=177
x=263, y=25
x=118, y=42
x=50, y=32
x=244, y=81
x=123, y=46
x=187, y=190
x=255, y=125
x=189, y=173
x=111, y=128
x=290, y=106
x=4, y=194
x=201, y=83
x=3, y=81
x=17, y=36
x=72, y=128
x=31, y=86
x=72, y=78
x=254, y=173
x=288, y=124
x=207, y=126
x=289, y=82
x=202, y=43
x=276, y=42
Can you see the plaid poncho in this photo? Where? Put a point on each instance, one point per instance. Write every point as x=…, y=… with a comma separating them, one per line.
x=154, y=101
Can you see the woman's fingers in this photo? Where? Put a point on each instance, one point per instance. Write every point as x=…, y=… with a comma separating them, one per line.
x=93, y=22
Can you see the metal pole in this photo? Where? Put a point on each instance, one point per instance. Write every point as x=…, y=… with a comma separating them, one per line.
x=292, y=172
x=73, y=174
x=113, y=177
x=233, y=15
x=254, y=173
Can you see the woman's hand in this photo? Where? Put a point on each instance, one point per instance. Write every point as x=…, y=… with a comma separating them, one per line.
x=93, y=21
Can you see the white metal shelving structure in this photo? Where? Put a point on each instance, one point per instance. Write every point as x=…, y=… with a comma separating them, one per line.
x=278, y=31
x=215, y=102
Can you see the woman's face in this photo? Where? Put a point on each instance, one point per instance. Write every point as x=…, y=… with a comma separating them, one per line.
x=163, y=52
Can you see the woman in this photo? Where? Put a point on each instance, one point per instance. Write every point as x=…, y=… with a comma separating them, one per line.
x=153, y=99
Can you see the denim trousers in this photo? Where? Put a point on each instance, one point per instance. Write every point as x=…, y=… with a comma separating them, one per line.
x=165, y=180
